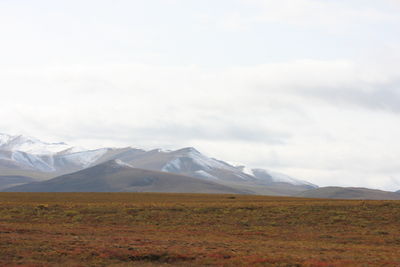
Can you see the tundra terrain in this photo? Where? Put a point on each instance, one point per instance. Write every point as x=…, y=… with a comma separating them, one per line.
x=153, y=229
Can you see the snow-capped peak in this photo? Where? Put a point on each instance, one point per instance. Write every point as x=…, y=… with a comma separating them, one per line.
x=30, y=145
x=161, y=150
x=4, y=138
x=180, y=159
x=190, y=150
x=85, y=158
x=190, y=161
x=245, y=170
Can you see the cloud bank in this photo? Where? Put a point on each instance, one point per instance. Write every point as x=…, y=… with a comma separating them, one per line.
x=284, y=85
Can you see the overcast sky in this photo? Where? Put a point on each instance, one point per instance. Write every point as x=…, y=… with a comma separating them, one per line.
x=310, y=88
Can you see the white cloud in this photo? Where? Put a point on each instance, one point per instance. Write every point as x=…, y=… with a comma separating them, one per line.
x=265, y=112
x=317, y=13
x=258, y=82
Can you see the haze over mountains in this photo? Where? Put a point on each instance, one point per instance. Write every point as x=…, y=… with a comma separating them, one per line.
x=28, y=164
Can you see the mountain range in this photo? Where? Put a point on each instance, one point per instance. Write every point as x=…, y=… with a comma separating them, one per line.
x=29, y=164
x=116, y=176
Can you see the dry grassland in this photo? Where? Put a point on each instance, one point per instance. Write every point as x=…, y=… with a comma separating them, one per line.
x=134, y=229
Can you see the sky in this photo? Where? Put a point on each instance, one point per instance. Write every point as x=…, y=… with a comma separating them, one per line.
x=310, y=88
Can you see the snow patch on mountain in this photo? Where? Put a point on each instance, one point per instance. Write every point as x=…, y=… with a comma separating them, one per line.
x=4, y=138
x=31, y=161
x=31, y=153
x=245, y=170
x=279, y=177
x=206, y=175
x=161, y=150
x=201, y=160
x=85, y=158
x=122, y=164
x=191, y=162
x=172, y=166
x=30, y=145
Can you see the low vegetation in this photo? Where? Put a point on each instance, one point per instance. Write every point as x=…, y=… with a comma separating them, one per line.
x=125, y=229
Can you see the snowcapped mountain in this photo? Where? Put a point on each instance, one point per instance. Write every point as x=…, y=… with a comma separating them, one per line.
x=25, y=161
x=21, y=153
x=189, y=159
x=191, y=162
x=80, y=159
x=28, y=153
x=51, y=162
x=186, y=161
x=32, y=145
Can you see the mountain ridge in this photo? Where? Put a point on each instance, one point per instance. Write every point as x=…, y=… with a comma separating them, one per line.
x=116, y=176
x=65, y=159
x=20, y=163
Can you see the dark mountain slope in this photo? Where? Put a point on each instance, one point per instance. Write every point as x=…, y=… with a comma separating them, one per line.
x=13, y=180
x=115, y=176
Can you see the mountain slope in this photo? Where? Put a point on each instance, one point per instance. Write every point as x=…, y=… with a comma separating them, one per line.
x=191, y=162
x=28, y=153
x=7, y=181
x=59, y=163
x=116, y=176
x=187, y=161
x=350, y=193
x=271, y=178
x=25, y=161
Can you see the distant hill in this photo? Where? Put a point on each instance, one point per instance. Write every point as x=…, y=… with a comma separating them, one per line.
x=279, y=179
x=116, y=176
x=350, y=193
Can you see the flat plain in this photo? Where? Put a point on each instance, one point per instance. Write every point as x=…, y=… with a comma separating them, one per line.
x=153, y=229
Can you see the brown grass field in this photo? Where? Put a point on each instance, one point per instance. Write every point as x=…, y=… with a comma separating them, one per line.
x=139, y=229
